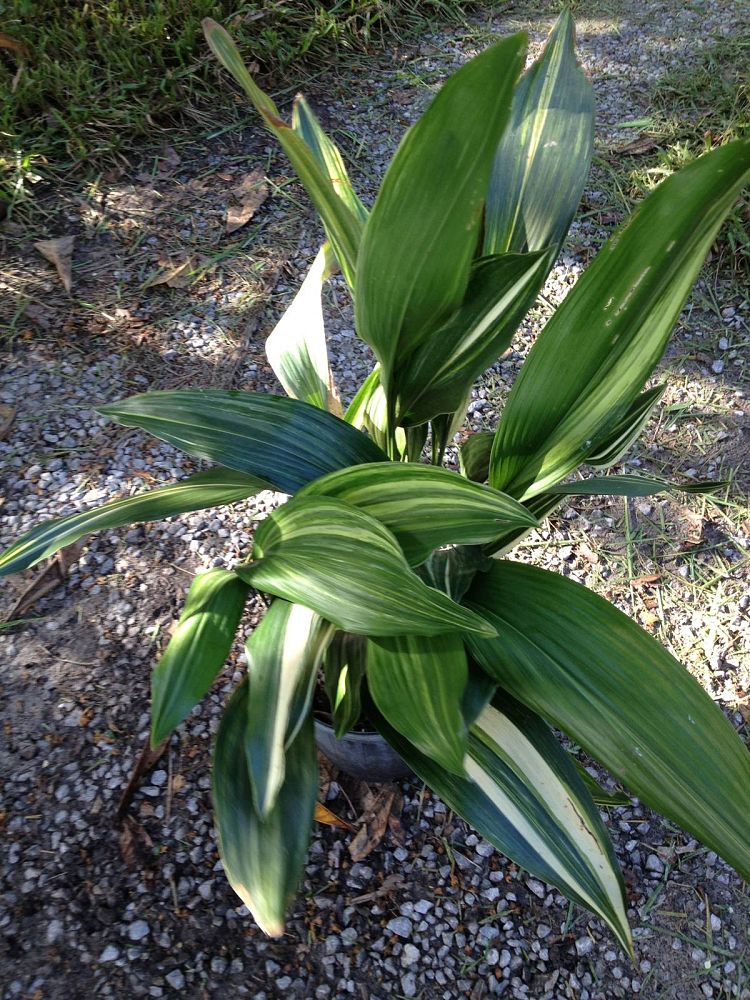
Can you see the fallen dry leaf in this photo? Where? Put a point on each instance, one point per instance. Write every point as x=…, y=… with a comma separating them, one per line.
x=7, y=413
x=46, y=581
x=135, y=843
x=324, y=815
x=40, y=315
x=59, y=252
x=642, y=581
x=147, y=760
x=175, y=277
x=22, y=53
x=374, y=820
x=250, y=193
x=643, y=144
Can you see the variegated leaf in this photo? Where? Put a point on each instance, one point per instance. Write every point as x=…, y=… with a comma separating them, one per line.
x=418, y=683
x=424, y=506
x=283, y=656
x=347, y=566
x=204, y=489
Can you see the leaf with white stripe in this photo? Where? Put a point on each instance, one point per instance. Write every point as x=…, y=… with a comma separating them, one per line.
x=263, y=858
x=423, y=505
x=634, y=486
x=204, y=489
x=525, y=798
x=421, y=236
x=287, y=442
x=283, y=656
x=592, y=672
x=543, y=158
x=344, y=667
x=296, y=347
x=341, y=562
x=197, y=650
x=587, y=368
x=418, y=683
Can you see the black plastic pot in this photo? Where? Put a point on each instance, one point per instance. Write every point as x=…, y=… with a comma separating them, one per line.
x=362, y=755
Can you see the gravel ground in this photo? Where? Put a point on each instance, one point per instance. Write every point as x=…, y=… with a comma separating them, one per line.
x=93, y=907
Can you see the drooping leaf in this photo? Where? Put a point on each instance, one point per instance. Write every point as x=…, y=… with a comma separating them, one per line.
x=296, y=347
x=586, y=370
x=591, y=671
x=417, y=683
x=287, y=442
x=283, y=655
x=343, y=226
x=633, y=486
x=448, y=361
x=328, y=156
x=625, y=432
x=423, y=505
x=474, y=456
x=204, y=489
x=543, y=158
x=540, y=506
x=197, y=650
x=263, y=858
x=344, y=668
x=342, y=563
x=421, y=236
x=525, y=798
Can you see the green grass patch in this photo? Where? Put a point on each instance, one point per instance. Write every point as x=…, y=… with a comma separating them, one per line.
x=79, y=81
x=696, y=107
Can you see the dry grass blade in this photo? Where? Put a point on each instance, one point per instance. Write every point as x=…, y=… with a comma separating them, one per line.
x=7, y=413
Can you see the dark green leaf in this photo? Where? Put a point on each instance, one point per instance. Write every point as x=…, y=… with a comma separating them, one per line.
x=544, y=156
x=344, y=668
x=263, y=858
x=422, y=233
x=197, y=650
x=586, y=370
x=474, y=456
x=587, y=668
x=625, y=432
x=285, y=441
x=204, y=489
x=634, y=486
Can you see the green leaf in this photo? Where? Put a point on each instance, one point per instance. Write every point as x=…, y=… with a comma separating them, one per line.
x=197, y=650
x=600, y=795
x=344, y=668
x=625, y=432
x=544, y=156
x=540, y=506
x=263, y=858
x=523, y=795
x=306, y=125
x=423, y=505
x=368, y=410
x=634, y=486
x=474, y=456
x=283, y=656
x=588, y=669
x=342, y=225
x=588, y=366
x=342, y=563
x=451, y=569
x=422, y=234
x=449, y=360
x=417, y=684
x=204, y=489
x=296, y=347
x=287, y=442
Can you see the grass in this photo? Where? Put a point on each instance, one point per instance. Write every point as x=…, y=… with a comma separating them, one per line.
x=699, y=105
x=79, y=82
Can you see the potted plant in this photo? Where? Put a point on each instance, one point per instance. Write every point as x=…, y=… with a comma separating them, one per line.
x=388, y=573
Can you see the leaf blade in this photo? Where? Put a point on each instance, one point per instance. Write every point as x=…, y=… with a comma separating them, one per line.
x=619, y=694
x=204, y=489
x=252, y=432
x=346, y=566
x=197, y=650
